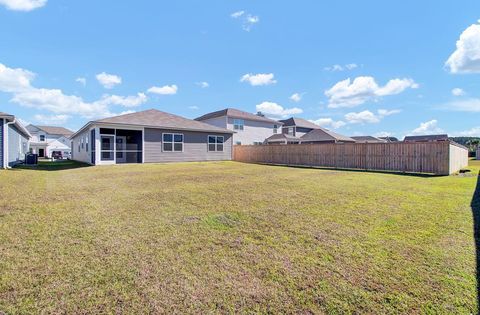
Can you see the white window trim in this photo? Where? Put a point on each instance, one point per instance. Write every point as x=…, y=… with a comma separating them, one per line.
x=173, y=142
x=208, y=143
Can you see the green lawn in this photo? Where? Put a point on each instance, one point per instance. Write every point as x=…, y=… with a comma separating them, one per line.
x=230, y=237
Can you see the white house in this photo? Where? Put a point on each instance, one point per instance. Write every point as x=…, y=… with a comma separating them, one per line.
x=13, y=141
x=46, y=139
x=249, y=128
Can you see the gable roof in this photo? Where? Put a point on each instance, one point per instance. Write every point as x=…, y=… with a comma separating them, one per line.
x=280, y=137
x=54, y=130
x=236, y=113
x=322, y=134
x=154, y=118
x=369, y=139
x=17, y=124
x=442, y=137
x=299, y=122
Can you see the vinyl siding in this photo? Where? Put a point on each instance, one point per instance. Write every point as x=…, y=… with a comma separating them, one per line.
x=81, y=155
x=1, y=142
x=253, y=131
x=195, y=147
x=17, y=146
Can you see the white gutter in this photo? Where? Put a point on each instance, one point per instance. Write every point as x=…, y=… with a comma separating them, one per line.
x=5, y=142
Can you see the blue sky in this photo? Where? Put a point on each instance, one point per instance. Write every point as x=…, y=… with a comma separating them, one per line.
x=358, y=67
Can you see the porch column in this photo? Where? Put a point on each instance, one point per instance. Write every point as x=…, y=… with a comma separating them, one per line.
x=98, y=146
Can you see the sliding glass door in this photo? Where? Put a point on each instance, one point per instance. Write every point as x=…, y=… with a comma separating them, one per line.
x=108, y=148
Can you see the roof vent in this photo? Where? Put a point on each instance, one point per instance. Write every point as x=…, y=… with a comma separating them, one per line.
x=260, y=114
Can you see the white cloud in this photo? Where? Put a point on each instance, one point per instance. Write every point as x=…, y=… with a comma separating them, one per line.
x=474, y=132
x=164, y=90
x=329, y=123
x=237, y=14
x=82, y=81
x=18, y=83
x=383, y=134
x=337, y=67
x=296, y=97
x=126, y=101
x=51, y=119
x=466, y=58
x=203, y=84
x=349, y=93
x=23, y=5
x=273, y=109
x=108, y=80
x=14, y=80
x=469, y=105
x=367, y=116
x=428, y=127
x=458, y=92
x=194, y=107
x=248, y=20
x=259, y=79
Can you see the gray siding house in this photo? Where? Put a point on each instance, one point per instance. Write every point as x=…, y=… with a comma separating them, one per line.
x=150, y=136
x=249, y=128
x=13, y=141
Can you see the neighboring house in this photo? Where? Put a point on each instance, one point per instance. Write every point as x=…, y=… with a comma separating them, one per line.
x=426, y=138
x=389, y=139
x=368, y=139
x=249, y=128
x=282, y=138
x=318, y=135
x=46, y=139
x=148, y=137
x=478, y=153
x=297, y=127
x=13, y=141
x=322, y=135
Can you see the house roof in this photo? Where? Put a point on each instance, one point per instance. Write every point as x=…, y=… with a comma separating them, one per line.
x=322, y=134
x=281, y=137
x=369, y=139
x=154, y=118
x=442, y=137
x=53, y=130
x=389, y=139
x=299, y=122
x=236, y=113
x=17, y=124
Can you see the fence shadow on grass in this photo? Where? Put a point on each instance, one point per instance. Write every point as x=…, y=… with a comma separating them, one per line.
x=476, y=231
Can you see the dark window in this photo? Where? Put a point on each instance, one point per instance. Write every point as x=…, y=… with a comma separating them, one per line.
x=172, y=142
x=215, y=143
x=238, y=124
x=107, y=131
x=42, y=138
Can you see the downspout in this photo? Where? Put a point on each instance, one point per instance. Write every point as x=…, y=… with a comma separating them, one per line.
x=5, y=143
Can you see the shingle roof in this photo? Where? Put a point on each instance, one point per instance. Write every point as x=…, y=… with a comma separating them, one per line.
x=281, y=137
x=236, y=113
x=18, y=124
x=322, y=134
x=389, y=139
x=53, y=130
x=5, y=114
x=369, y=139
x=299, y=122
x=441, y=137
x=158, y=119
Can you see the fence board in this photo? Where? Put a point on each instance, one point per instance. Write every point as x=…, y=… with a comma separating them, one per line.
x=440, y=158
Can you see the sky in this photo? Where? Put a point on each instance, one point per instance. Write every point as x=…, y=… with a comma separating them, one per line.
x=368, y=67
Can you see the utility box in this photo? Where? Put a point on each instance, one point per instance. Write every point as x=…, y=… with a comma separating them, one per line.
x=31, y=159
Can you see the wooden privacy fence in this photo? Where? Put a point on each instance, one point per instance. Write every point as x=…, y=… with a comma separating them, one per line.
x=440, y=158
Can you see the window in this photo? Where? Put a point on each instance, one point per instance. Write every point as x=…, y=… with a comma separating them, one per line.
x=86, y=143
x=82, y=142
x=215, y=143
x=238, y=142
x=257, y=143
x=275, y=128
x=238, y=124
x=42, y=138
x=172, y=142
x=290, y=131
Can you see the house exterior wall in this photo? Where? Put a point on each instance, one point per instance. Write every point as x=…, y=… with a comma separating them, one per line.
x=17, y=146
x=2, y=121
x=478, y=153
x=82, y=153
x=195, y=147
x=253, y=131
x=220, y=122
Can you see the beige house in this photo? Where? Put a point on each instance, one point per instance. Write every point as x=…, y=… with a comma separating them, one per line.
x=249, y=128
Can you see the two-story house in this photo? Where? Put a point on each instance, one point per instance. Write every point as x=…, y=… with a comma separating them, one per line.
x=249, y=128
x=297, y=127
x=46, y=139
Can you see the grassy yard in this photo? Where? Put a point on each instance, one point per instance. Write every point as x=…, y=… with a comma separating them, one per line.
x=230, y=237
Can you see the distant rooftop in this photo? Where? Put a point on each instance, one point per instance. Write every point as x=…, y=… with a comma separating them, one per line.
x=321, y=134
x=426, y=138
x=236, y=113
x=368, y=139
x=54, y=130
x=299, y=122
